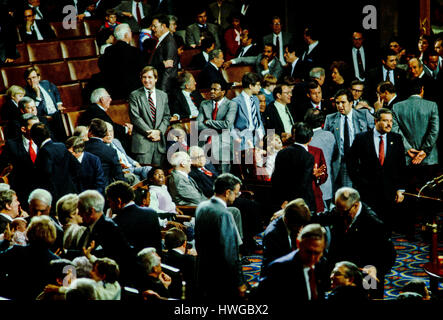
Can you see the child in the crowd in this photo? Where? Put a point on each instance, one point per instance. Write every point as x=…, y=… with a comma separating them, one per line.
x=62, y=274
x=110, y=20
x=268, y=85
x=18, y=227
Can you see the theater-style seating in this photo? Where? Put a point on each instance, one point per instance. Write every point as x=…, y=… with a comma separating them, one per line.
x=119, y=112
x=186, y=57
x=40, y=51
x=83, y=69
x=71, y=95
x=79, y=48
x=57, y=72
x=234, y=73
x=92, y=26
x=23, y=52
x=70, y=121
x=13, y=75
x=63, y=33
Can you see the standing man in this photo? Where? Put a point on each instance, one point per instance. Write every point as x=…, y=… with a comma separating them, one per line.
x=186, y=101
x=278, y=38
x=386, y=96
x=359, y=56
x=149, y=113
x=345, y=124
x=219, y=270
x=218, y=114
x=294, y=67
x=212, y=70
x=132, y=13
x=248, y=125
x=376, y=166
x=164, y=57
x=201, y=29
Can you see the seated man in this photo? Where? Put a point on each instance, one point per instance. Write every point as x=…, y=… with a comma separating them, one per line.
x=347, y=283
x=184, y=103
x=199, y=60
x=212, y=71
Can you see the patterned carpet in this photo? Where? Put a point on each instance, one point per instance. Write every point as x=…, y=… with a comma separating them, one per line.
x=411, y=256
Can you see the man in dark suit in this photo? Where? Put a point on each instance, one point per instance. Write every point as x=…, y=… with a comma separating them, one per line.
x=33, y=29
x=149, y=113
x=200, y=29
x=277, y=241
x=17, y=153
x=56, y=168
x=377, y=164
x=9, y=208
x=200, y=60
x=359, y=57
x=211, y=72
x=220, y=12
x=302, y=270
x=417, y=71
x=91, y=173
x=277, y=114
x=248, y=44
x=296, y=164
x=132, y=12
x=386, y=95
x=359, y=236
x=294, y=68
x=121, y=64
x=139, y=225
x=8, y=36
x=387, y=71
x=278, y=38
x=100, y=103
x=313, y=55
x=108, y=156
x=164, y=57
x=107, y=235
x=186, y=101
x=345, y=124
x=217, y=244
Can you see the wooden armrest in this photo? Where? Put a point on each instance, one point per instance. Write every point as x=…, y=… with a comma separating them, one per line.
x=183, y=217
x=188, y=210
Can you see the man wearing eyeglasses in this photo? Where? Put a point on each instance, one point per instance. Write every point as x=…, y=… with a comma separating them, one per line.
x=278, y=38
x=33, y=29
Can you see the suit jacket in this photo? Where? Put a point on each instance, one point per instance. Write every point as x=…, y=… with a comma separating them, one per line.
x=217, y=245
x=208, y=76
x=241, y=123
x=187, y=265
x=164, y=7
x=198, y=61
x=316, y=58
x=10, y=111
x=275, y=68
x=223, y=123
x=23, y=176
x=142, y=121
x=226, y=10
x=57, y=170
x=91, y=173
x=375, y=75
x=362, y=121
x=3, y=223
x=288, y=271
x=368, y=175
x=108, y=157
x=44, y=28
x=132, y=21
x=275, y=243
x=53, y=92
x=193, y=34
x=298, y=72
x=417, y=121
x=294, y=164
x=179, y=104
x=94, y=111
x=319, y=160
x=252, y=51
x=204, y=182
x=184, y=192
x=140, y=226
x=326, y=142
x=166, y=50
x=273, y=120
x=286, y=36
x=120, y=66
x=368, y=61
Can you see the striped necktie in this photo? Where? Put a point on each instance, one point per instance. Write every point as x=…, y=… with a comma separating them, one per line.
x=152, y=108
x=254, y=113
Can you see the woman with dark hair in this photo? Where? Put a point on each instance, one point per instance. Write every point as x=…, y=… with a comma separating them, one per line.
x=425, y=43
x=232, y=37
x=340, y=76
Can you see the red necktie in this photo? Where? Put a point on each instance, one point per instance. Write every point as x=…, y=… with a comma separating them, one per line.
x=312, y=284
x=206, y=171
x=381, y=151
x=214, y=112
x=32, y=153
x=139, y=14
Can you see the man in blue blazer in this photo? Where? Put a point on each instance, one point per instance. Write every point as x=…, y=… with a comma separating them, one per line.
x=248, y=125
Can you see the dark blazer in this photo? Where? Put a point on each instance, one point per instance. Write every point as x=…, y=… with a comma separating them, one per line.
x=57, y=170
x=316, y=58
x=273, y=120
x=204, y=182
x=252, y=51
x=208, y=76
x=15, y=262
x=293, y=164
x=193, y=34
x=368, y=175
x=275, y=243
x=287, y=271
x=23, y=176
x=94, y=111
x=3, y=223
x=187, y=265
x=120, y=66
x=44, y=28
x=298, y=72
x=91, y=173
x=132, y=21
x=179, y=105
x=166, y=50
x=53, y=92
x=140, y=226
x=10, y=111
x=198, y=61
x=108, y=157
x=375, y=75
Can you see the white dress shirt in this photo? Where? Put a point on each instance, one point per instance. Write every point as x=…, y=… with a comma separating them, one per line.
x=377, y=136
x=342, y=130
x=50, y=106
x=279, y=54
x=354, y=61
x=192, y=107
x=134, y=10
x=37, y=31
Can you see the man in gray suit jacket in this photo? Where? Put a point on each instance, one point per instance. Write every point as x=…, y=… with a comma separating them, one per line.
x=345, y=124
x=149, y=114
x=278, y=38
x=266, y=62
x=198, y=30
x=218, y=114
x=127, y=12
x=324, y=140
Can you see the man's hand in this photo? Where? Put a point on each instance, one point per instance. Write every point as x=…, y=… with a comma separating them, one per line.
x=87, y=251
x=130, y=126
x=227, y=64
x=154, y=135
x=419, y=157
x=399, y=196
x=60, y=107
x=9, y=60
x=81, y=17
x=242, y=290
x=173, y=118
x=165, y=279
x=319, y=171
x=168, y=63
x=378, y=104
x=8, y=233
x=412, y=152
x=264, y=62
x=127, y=14
x=51, y=288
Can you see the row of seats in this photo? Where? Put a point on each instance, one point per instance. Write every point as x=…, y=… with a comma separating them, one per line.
x=87, y=28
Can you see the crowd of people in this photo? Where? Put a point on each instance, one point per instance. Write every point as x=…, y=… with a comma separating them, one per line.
x=335, y=142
